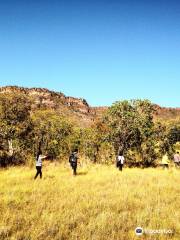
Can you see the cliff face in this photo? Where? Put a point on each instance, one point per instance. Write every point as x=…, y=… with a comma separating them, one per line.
x=49, y=98
x=77, y=108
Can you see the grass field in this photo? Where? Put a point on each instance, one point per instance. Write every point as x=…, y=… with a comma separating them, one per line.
x=100, y=203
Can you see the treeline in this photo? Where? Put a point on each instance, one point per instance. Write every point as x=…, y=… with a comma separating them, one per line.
x=127, y=126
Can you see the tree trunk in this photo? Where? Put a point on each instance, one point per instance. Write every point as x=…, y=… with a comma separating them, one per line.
x=10, y=145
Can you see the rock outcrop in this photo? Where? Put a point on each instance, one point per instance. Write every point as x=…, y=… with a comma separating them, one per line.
x=77, y=108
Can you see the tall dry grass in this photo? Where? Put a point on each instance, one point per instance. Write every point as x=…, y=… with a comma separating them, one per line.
x=100, y=203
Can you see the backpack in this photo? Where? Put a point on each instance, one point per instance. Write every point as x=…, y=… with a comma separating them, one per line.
x=72, y=159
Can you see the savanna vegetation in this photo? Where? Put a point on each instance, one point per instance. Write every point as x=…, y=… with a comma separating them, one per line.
x=127, y=126
x=100, y=203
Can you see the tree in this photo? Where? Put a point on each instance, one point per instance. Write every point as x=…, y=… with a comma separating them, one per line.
x=51, y=132
x=93, y=139
x=131, y=127
x=174, y=134
x=14, y=121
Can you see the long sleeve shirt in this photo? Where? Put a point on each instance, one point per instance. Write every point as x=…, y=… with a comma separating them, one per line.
x=39, y=161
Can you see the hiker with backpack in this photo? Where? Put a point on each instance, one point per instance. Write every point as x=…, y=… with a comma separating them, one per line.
x=120, y=161
x=39, y=159
x=73, y=160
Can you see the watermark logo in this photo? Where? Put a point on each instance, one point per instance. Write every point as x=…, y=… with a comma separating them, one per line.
x=139, y=231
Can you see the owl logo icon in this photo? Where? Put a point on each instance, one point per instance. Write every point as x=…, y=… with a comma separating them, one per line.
x=139, y=231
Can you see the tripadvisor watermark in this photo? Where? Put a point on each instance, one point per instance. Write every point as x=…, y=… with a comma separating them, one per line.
x=140, y=231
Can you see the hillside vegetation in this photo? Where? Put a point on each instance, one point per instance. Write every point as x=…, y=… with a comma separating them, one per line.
x=76, y=108
x=34, y=119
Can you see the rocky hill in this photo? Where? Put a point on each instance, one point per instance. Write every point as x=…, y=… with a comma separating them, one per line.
x=166, y=114
x=76, y=108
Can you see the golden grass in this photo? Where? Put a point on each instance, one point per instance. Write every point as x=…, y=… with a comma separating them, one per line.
x=100, y=203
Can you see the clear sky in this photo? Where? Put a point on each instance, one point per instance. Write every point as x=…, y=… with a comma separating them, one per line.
x=100, y=50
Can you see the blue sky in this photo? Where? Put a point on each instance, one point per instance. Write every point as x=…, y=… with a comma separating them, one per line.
x=102, y=51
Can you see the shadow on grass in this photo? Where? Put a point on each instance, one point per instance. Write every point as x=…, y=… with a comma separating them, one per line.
x=82, y=173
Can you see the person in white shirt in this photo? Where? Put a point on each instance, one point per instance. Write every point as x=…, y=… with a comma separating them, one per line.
x=39, y=159
x=120, y=161
x=177, y=159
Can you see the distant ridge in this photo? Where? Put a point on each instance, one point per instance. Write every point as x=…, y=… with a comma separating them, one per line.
x=76, y=108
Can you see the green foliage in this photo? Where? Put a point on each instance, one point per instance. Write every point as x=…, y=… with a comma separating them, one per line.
x=121, y=121
x=174, y=134
x=15, y=125
x=23, y=132
x=131, y=127
x=51, y=132
x=169, y=136
x=92, y=141
x=127, y=127
x=14, y=115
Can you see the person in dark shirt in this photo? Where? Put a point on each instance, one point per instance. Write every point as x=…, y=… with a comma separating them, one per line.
x=73, y=160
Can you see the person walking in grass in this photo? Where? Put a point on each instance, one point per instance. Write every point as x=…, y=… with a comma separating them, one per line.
x=73, y=160
x=39, y=159
x=165, y=161
x=177, y=160
x=120, y=161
